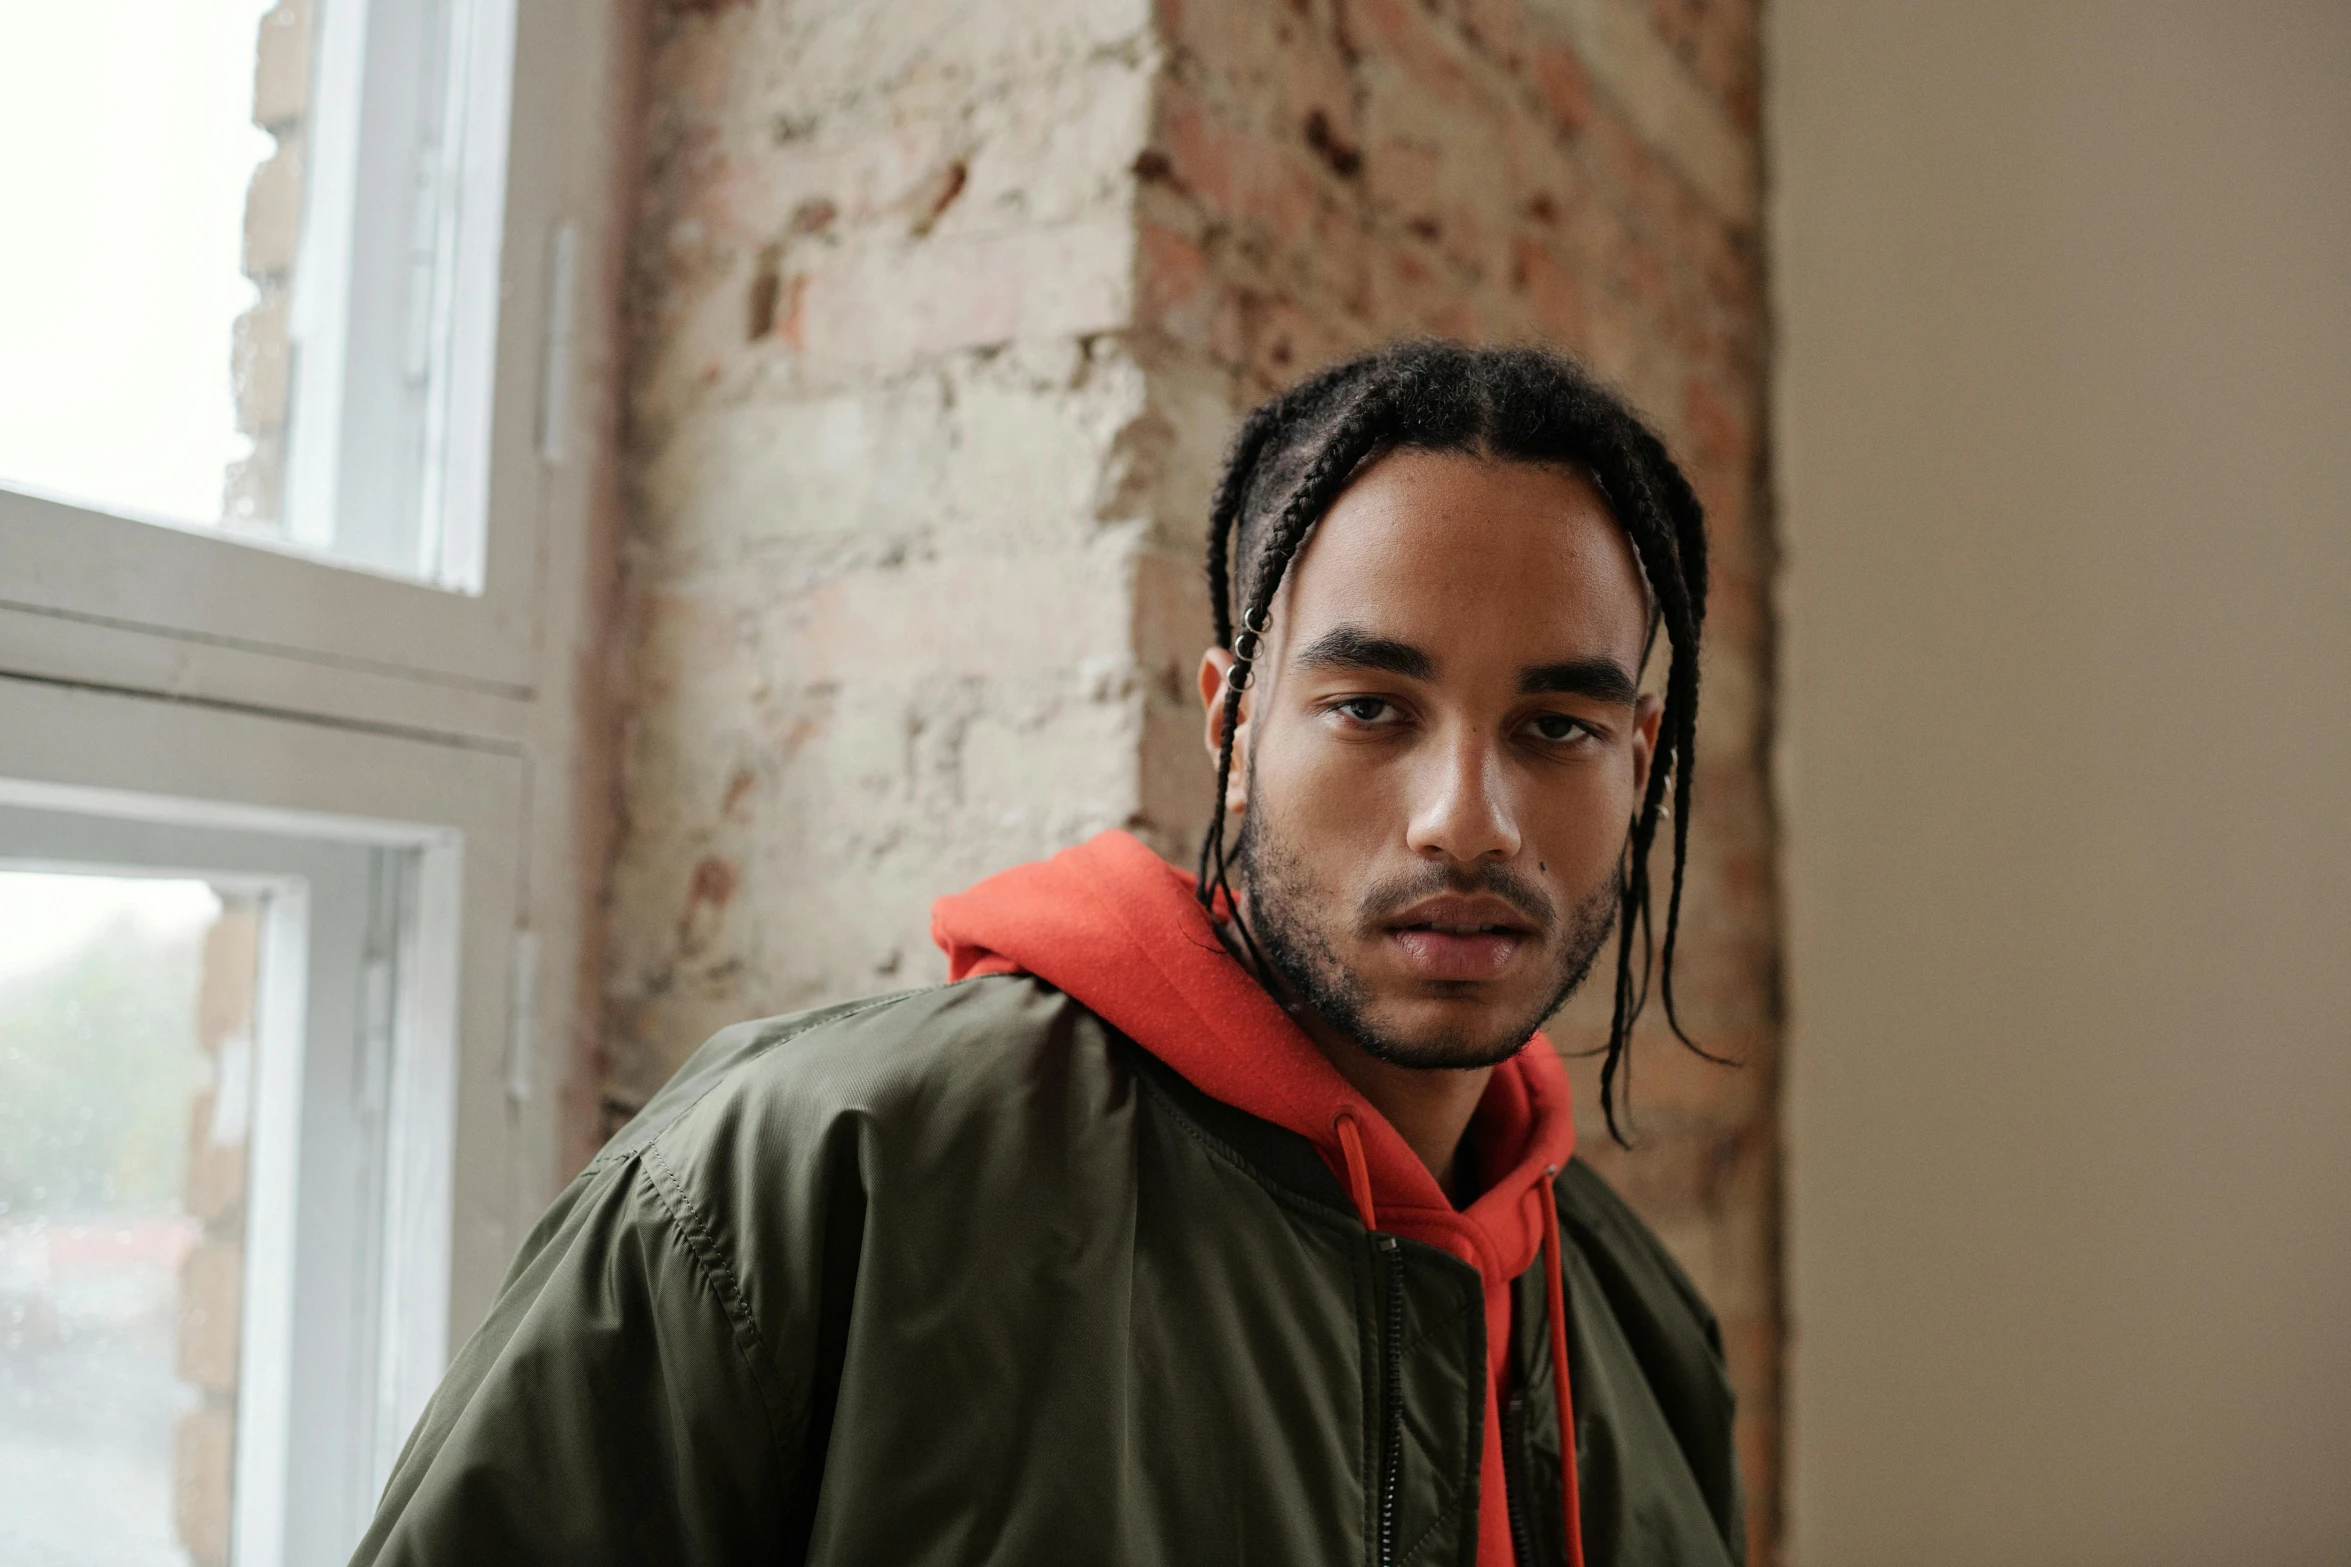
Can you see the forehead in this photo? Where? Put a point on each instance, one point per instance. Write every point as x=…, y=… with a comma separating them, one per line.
x=1522, y=562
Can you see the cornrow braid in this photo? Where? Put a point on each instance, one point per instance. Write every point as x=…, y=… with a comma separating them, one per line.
x=1252, y=437
x=1295, y=454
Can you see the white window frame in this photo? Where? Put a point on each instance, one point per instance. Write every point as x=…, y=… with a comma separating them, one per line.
x=395, y=287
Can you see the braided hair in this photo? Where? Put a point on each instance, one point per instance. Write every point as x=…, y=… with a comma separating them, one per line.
x=1295, y=454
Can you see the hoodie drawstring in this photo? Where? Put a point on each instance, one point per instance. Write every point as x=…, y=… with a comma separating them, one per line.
x=1555, y=1308
x=1358, y=1171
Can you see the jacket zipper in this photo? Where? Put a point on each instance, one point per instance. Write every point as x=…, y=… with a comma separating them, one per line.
x=1392, y=1403
x=1514, y=1478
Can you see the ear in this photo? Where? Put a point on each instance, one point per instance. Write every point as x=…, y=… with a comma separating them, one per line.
x=1216, y=668
x=1646, y=712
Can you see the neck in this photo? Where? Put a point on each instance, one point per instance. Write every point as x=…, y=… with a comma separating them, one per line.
x=1430, y=1108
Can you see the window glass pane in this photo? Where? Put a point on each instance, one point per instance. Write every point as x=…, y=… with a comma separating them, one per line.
x=126, y=1073
x=126, y=146
x=248, y=248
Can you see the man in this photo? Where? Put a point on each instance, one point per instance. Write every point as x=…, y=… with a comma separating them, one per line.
x=1215, y=1221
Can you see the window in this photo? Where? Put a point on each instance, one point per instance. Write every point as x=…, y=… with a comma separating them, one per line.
x=286, y=472
x=294, y=298
x=119, y=314
x=126, y=1053
x=198, y=1101
x=232, y=1067
x=264, y=293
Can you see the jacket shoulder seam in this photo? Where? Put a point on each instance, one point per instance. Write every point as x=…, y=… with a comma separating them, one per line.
x=610, y=1156
x=717, y=1274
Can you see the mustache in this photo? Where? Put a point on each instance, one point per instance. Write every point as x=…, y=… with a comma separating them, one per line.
x=1398, y=893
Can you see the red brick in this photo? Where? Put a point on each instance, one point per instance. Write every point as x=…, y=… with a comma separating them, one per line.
x=1718, y=433
x=211, y=1287
x=1174, y=283
x=1221, y=36
x=1314, y=81
x=1717, y=40
x=1343, y=259
x=1566, y=90
x=214, y=1185
x=1283, y=342
x=281, y=76
x=203, y=1464
x=230, y=969
x=1554, y=298
x=1497, y=27
x=1405, y=38
x=1233, y=175
x=1403, y=176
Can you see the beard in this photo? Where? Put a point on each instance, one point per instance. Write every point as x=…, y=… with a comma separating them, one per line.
x=1293, y=921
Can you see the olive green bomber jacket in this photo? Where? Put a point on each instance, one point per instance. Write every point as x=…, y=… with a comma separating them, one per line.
x=964, y=1275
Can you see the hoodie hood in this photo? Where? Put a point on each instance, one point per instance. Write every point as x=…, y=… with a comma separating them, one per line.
x=1118, y=928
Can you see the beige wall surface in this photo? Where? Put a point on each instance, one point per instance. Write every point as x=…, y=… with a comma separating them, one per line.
x=2064, y=435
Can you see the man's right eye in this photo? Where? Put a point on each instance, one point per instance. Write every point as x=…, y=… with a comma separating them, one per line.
x=1364, y=709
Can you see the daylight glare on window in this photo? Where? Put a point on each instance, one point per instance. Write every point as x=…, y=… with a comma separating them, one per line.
x=127, y=143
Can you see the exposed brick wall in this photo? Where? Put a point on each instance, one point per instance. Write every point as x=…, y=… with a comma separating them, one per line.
x=879, y=575
x=211, y=1275
x=261, y=362
x=944, y=314
x=1717, y=41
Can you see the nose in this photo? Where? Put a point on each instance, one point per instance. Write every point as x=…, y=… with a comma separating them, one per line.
x=1460, y=807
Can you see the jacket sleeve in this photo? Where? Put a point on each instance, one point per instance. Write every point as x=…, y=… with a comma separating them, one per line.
x=1673, y=1337
x=618, y=1405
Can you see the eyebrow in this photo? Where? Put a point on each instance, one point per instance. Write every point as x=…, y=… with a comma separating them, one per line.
x=1601, y=679
x=1352, y=647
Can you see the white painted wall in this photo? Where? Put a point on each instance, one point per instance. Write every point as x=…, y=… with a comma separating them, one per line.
x=2064, y=454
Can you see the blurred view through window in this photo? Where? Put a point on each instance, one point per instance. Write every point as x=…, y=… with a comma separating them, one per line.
x=216, y=1108
x=126, y=1083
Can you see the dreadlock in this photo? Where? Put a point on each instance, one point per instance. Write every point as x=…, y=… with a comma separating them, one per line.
x=1294, y=455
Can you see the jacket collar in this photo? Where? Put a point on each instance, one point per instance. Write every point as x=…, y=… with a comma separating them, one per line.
x=1113, y=925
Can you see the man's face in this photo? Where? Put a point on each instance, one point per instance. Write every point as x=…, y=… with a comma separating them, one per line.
x=1444, y=749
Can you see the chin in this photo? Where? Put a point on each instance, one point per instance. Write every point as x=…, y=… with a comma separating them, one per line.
x=1455, y=1038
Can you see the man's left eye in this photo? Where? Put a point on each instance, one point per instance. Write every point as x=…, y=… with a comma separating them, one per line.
x=1558, y=726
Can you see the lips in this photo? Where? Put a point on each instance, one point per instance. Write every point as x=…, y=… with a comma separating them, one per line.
x=1458, y=938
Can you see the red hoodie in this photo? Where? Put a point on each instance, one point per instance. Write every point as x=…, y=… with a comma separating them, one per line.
x=1116, y=927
